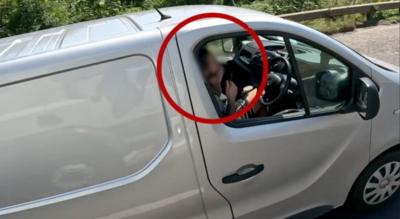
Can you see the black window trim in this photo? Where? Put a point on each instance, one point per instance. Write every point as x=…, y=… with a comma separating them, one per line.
x=297, y=74
x=354, y=72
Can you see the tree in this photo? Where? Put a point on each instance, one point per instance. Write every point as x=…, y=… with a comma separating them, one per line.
x=229, y=2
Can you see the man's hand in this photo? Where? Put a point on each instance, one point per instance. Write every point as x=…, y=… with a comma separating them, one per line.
x=231, y=91
x=259, y=109
x=250, y=93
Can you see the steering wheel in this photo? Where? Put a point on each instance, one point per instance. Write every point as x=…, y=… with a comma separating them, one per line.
x=280, y=75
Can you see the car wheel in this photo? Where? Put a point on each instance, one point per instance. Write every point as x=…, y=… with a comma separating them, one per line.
x=377, y=184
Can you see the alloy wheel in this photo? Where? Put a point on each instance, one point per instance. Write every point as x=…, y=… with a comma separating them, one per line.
x=383, y=183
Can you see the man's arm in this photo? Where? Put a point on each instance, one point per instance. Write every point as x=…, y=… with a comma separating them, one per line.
x=231, y=93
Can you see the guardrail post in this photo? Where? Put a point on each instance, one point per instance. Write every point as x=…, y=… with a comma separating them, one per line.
x=371, y=13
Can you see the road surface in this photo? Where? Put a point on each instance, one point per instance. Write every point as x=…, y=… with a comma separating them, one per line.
x=381, y=42
x=389, y=211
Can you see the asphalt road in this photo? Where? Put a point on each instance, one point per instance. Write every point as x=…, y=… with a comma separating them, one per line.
x=380, y=42
x=389, y=211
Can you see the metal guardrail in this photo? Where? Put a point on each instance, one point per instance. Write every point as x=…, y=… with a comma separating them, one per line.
x=368, y=9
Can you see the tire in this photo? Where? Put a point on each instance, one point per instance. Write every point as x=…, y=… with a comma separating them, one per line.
x=382, y=186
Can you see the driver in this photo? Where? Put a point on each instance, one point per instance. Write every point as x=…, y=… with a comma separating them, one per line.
x=226, y=91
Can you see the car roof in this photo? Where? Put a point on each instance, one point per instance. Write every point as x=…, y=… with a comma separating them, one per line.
x=79, y=34
x=151, y=19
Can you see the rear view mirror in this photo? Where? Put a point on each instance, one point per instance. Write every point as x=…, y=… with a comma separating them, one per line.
x=227, y=45
x=367, y=100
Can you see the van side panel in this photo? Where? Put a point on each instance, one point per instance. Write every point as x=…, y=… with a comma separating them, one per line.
x=95, y=142
x=386, y=125
x=79, y=128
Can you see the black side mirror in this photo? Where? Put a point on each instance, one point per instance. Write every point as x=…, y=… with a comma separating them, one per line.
x=367, y=98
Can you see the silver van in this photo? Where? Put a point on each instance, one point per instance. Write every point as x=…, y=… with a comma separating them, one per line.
x=86, y=132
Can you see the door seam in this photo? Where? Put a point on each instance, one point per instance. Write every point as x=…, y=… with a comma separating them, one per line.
x=197, y=129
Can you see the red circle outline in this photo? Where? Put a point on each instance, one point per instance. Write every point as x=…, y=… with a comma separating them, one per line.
x=235, y=115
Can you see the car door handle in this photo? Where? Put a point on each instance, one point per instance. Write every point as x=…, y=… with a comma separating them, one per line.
x=243, y=173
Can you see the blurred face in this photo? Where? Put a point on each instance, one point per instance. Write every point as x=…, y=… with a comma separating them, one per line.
x=214, y=71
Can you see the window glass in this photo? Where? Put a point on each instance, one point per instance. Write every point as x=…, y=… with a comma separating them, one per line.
x=326, y=80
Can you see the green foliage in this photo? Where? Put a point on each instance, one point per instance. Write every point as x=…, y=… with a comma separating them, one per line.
x=338, y=24
x=282, y=6
x=21, y=16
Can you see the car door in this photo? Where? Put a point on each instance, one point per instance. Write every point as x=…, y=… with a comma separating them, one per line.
x=303, y=163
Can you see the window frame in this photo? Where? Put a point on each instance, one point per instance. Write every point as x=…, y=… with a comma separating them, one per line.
x=354, y=73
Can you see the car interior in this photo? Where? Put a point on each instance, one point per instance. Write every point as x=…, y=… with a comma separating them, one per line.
x=325, y=80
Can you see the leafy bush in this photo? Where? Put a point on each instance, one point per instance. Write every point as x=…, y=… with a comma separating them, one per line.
x=282, y=7
x=21, y=16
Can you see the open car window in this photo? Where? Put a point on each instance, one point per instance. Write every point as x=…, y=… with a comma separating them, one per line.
x=232, y=71
x=300, y=76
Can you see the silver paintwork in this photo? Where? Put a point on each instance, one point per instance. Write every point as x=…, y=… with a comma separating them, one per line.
x=63, y=37
x=111, y=106
x=42, y=119
x=52, y=83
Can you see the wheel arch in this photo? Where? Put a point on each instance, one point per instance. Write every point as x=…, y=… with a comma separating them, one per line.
x=387, y=151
